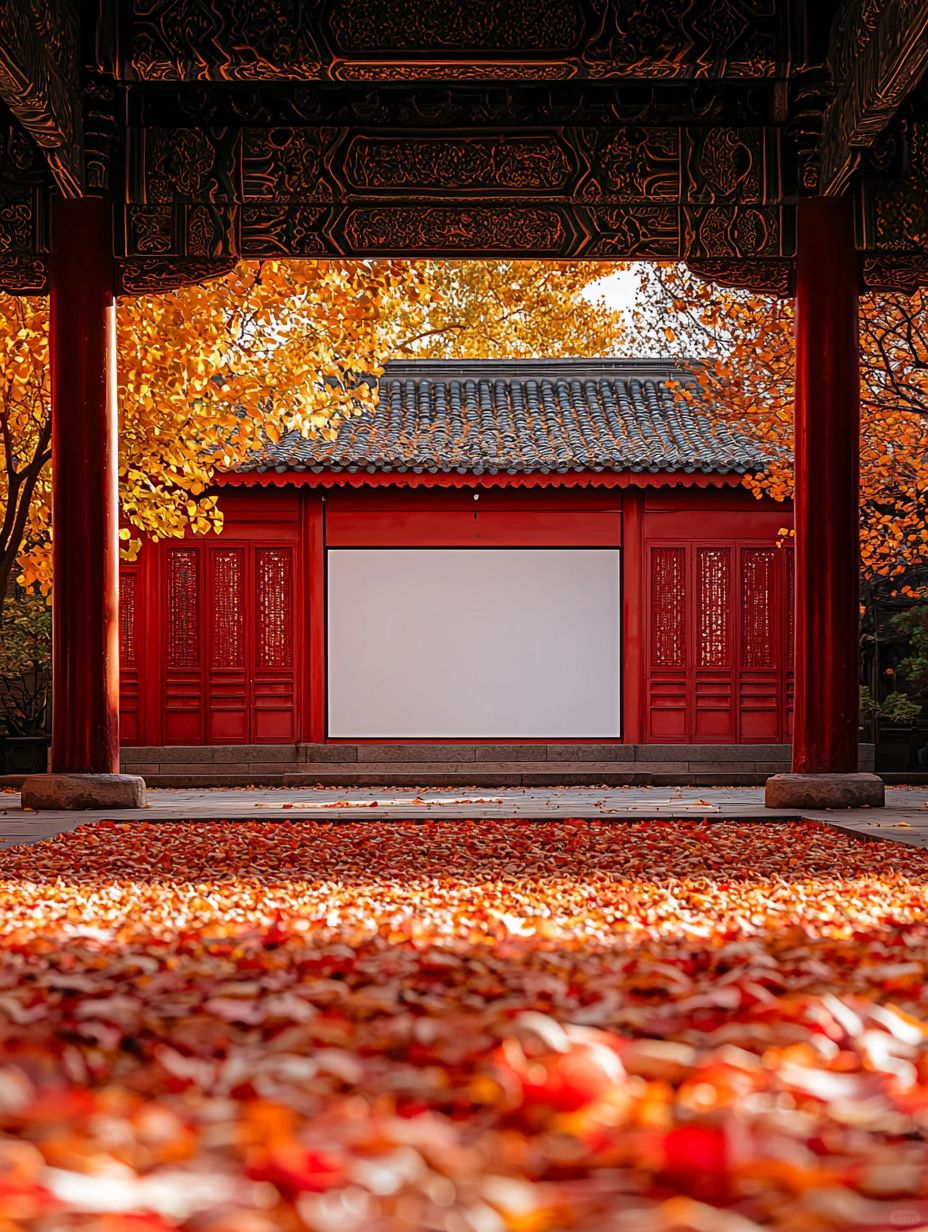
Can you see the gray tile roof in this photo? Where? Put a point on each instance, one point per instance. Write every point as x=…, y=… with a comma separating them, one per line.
x=521, y=417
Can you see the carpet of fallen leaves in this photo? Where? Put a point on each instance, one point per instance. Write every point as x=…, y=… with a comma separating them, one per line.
x=463, y=1026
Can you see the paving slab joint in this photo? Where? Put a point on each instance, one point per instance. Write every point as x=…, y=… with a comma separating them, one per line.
x=83, y=791
x=824, y=791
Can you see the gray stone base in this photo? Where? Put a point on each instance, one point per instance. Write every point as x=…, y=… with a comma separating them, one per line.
x=83, y=791
x=412, y=764
x=824, y=791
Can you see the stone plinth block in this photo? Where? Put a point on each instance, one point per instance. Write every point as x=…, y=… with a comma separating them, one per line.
x=824, y=791
x=83, y=791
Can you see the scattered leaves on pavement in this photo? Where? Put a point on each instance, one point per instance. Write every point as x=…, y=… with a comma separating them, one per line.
x=463, y=1027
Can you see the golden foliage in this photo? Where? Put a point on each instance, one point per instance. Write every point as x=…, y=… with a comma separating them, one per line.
x=208, y=373
x=745, y=345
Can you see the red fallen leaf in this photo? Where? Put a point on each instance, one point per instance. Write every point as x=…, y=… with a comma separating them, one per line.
x=695, y=1148
x=564, y=1081
x=294, y=1170
x=375, y=1013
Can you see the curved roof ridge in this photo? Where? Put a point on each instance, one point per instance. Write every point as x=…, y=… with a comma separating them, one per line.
x=527, y=416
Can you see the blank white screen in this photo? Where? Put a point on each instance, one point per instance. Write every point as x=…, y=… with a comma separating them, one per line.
x=473, y=642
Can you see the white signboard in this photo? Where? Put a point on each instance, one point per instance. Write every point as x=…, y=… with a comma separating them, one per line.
x=472, y=643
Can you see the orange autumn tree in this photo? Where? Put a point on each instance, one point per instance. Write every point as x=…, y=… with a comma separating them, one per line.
x=744, y=347
x=206, y=373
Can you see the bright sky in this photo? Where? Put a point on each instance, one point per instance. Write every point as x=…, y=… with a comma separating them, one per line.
x=618, y=289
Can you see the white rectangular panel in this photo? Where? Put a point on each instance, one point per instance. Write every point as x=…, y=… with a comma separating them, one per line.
x=460, y=643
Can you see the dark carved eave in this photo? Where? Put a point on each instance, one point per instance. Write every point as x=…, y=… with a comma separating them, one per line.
x=879, y=53
x=39, y=82
x=672, y=130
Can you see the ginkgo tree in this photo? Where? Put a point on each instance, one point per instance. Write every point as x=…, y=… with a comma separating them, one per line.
x=743, y=345
x=207, y=373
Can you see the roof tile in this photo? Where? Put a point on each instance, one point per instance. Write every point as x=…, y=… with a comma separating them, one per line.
x=524, y=416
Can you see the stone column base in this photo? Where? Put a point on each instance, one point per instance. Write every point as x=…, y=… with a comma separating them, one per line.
x=83, y=791
x=824, y=791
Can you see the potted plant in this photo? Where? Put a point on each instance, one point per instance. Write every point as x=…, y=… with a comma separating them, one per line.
x=25, y=682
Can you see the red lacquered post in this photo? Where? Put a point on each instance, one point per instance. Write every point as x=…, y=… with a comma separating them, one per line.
x=827, y=496
x=85, y=722
x=827, y=452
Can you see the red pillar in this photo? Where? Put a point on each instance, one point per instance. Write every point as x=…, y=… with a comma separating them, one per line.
x=312, y=721
x=85, y=721
x=633, y=632
x=827, y=452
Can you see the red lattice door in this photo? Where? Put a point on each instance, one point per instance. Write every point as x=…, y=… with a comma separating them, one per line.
x=230, y=658
x=720, y=631
x=183, y=677
x=227, y=706
x=713, y=675
x=273, y=679
x=760, y=700
x=130, y=659
x=669, y=643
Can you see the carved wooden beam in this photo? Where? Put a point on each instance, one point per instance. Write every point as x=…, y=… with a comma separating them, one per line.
x=879, y=51
x=765, y=277
x=477, y=40
x=39, y=82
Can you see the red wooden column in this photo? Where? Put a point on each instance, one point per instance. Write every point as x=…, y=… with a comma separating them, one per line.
x=85, y=680
x=633, y=645
x=827, y=482
x=312, y=535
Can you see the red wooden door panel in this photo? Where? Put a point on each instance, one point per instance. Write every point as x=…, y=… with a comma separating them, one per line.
x=273, y=678
x=130, y=717
x=713, y=686
x=789, y=633
x=230, y=653
x=669, y=651
x=719, y=642
x=227, y=717
x=759, y=679
x=183, y=679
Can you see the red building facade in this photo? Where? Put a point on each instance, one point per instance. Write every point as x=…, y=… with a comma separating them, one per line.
x=678, y=627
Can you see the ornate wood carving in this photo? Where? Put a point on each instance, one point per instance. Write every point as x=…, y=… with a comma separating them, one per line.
x=24, y=275
x=893, y=208
x=457, y=105
x=24, y=176
x=661, y=129
x=879, y=53
x=602, y=165
x=102, y=132
x=152, y=275
x=370, y=40
x=660, y=232
x=38, y=81
x=900, y=274
x=761, y=277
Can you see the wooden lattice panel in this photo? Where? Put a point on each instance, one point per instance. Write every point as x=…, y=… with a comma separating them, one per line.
x=227, y=612
x=713, y=607
x=757, y=603
x=719, y=662
x=274, y=594
x=183, y=608
x=127, y=615
x=668, y=607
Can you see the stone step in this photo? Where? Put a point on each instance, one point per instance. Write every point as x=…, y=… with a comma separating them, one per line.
x=443, y=769
x=549, y=777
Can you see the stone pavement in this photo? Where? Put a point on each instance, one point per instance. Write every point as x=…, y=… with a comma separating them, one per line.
x=905, y=819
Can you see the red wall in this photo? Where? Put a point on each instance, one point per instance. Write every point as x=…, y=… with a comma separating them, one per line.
x=223, y=637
